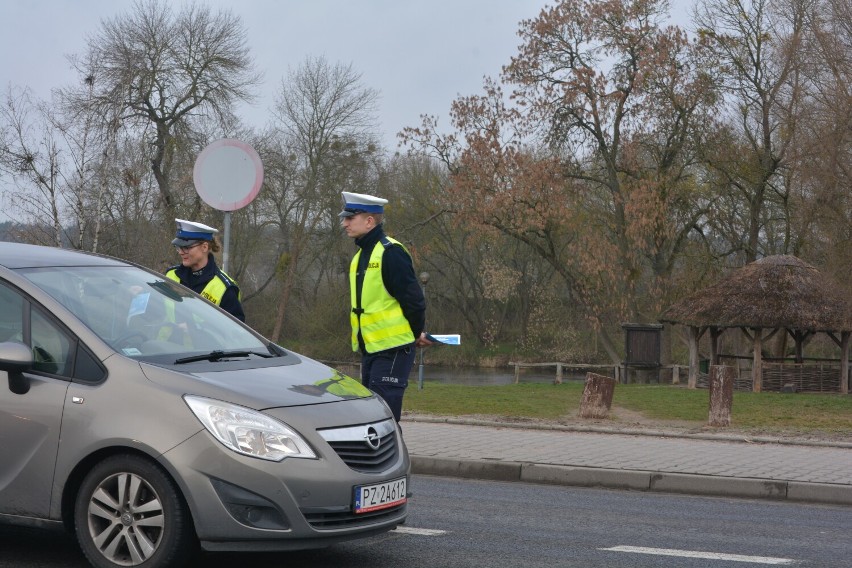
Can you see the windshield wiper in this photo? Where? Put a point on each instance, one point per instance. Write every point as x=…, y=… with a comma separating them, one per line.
x=218, y=355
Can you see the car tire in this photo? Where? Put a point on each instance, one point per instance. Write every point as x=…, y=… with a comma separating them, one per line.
x=128, y=512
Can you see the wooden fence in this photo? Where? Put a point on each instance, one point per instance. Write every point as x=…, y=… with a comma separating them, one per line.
x=668, y=373
x=777, y=377
x=811, y=377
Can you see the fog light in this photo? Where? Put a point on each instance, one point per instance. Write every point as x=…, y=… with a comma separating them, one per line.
x=249, y=508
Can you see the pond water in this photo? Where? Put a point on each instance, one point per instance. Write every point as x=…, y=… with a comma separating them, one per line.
x=488, y=376
x=477, y=375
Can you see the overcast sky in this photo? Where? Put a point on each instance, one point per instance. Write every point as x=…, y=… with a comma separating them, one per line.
x=418, y=54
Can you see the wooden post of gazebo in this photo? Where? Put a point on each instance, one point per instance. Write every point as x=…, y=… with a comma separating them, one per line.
x=757, y=364
x=694, y=335
x=844, y=362
x=715, y=332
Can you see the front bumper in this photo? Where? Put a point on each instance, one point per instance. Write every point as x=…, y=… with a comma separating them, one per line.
x=246, y=504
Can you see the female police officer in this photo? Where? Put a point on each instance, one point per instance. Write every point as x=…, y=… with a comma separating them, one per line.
x=196, y=243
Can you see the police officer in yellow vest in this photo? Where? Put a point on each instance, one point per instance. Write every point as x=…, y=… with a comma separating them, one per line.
x=196, y=243
x=388, y=307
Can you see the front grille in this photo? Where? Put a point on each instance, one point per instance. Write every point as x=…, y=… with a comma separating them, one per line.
x=361, y=457
x=348, y=519
x=368, y=448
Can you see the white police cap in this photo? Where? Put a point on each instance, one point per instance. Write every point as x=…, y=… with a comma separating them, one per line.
x=354, y=203
x=189, y=232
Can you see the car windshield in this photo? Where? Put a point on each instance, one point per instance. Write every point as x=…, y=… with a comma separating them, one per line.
x=143, y=315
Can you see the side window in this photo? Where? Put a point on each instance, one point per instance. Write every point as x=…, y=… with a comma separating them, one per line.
x=53, y=349
x=86, y=367
x=51, y=346
x=11, y=315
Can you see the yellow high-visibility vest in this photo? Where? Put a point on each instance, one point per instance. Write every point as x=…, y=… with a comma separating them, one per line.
x=213, y=291
x=379, y=318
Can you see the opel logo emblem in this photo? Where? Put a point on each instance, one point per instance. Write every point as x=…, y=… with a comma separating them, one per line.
x=372, y=438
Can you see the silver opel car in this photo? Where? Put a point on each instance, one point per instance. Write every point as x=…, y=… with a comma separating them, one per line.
x=146, y=420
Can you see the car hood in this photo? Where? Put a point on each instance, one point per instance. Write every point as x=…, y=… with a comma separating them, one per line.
x=305, y=383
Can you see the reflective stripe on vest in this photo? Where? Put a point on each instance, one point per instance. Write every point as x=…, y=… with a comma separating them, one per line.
x=213, y=291
x=381, y=322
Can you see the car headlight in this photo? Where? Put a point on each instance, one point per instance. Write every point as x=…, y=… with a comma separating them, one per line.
x=247, y=431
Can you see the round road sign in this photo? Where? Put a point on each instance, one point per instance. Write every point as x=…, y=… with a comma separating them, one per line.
x=228, y=174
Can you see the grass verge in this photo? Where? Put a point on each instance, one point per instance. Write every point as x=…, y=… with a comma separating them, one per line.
x=767, y=412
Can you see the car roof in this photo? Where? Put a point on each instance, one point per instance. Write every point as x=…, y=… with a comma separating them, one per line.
x=19, y=255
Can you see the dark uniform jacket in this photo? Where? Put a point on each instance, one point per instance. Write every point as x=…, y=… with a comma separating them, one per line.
x=196, y=281
x=398, y=277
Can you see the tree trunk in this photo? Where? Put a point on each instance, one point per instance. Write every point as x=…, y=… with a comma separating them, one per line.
x=597, y=396
x=721, y=394
x=284, y=299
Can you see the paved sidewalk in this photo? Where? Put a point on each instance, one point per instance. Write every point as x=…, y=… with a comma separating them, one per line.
x=637, y=460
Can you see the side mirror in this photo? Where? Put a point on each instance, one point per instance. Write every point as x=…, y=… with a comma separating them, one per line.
x=15, y=358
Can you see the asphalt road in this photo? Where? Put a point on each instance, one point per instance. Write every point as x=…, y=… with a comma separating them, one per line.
x=467, y=523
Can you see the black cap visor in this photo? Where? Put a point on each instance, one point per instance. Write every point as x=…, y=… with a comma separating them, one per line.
x=349, y=213
x=179, y=242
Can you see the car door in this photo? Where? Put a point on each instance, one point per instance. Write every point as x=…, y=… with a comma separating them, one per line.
x=30, y=423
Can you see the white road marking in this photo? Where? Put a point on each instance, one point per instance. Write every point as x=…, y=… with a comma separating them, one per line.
x=706, y=555
x=421, y=532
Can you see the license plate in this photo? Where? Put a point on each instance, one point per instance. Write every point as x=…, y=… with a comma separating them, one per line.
x=380, y=496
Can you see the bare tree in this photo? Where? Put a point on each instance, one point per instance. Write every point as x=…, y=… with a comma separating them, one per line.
x=824, y=143
x=325, y=122
x=31, y=153
x=155, y=70
x=90, y=143
x=757, y=45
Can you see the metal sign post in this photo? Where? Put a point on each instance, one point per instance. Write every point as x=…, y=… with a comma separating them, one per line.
x=424, y=279
x=226, y=245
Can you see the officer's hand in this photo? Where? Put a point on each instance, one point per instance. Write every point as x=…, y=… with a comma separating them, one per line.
x=422, y=341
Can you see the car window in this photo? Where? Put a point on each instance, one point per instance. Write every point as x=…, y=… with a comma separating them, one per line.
x=11, y=314
x=51, y=346
x=141, y=314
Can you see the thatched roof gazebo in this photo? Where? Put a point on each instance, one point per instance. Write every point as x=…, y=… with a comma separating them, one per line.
x=771, y=294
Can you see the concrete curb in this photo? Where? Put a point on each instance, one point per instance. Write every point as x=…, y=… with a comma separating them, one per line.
x=631, y=432
x=692, y=484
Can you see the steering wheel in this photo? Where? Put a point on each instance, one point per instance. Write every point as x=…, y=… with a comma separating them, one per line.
x=125, y=340
x=175, y=332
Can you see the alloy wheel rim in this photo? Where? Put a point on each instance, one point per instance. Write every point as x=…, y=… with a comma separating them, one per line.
x=126, y=519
